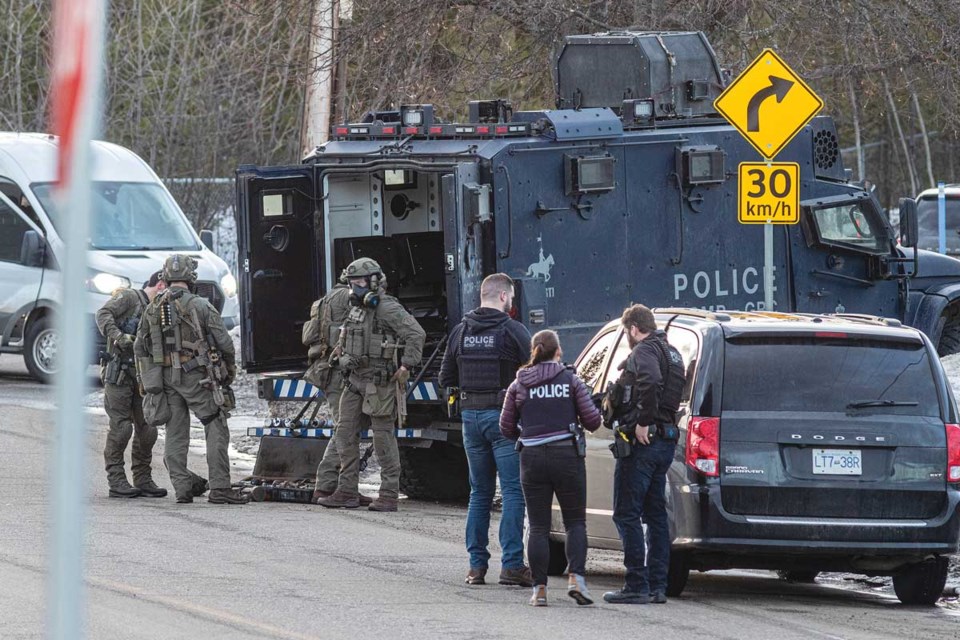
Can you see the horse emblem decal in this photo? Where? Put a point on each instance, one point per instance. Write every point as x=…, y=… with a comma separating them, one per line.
x=543, y=266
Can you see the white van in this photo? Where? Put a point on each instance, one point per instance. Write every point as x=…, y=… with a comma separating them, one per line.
x=135, y=224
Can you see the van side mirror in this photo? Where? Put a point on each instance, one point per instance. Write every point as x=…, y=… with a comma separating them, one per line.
x=32, y=249
x=206, y=237
x=909, y=225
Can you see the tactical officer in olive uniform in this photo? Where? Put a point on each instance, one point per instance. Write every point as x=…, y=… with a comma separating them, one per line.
x=320, y=334
x=117, y=321
x=185, y=354
x=369, y=343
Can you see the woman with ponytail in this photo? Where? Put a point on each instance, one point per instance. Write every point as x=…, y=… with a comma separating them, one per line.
x=546, y=409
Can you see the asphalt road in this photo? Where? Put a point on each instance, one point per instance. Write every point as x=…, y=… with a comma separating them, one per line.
x=158, y=570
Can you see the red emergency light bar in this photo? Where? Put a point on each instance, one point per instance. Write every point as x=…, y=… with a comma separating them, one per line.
x=453, y=130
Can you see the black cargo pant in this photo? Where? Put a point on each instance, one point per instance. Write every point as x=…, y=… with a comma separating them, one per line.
x=547, y=470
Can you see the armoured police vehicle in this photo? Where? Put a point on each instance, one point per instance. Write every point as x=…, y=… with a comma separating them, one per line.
x=626, y=191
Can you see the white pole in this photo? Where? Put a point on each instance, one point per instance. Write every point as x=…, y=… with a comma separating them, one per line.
x=78, y=62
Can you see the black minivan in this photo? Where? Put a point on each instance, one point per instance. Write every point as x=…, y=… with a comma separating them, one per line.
x=808, y=443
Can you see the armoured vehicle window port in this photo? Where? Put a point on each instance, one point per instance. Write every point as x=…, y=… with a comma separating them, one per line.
x=625, y=192
x=808, y=443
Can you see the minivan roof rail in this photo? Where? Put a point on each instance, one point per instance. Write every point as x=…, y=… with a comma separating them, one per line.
x=696, y=313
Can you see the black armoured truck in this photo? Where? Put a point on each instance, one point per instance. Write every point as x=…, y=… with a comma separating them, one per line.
x=625, y=192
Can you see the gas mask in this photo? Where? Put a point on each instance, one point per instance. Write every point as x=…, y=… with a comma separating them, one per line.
x=368, y=296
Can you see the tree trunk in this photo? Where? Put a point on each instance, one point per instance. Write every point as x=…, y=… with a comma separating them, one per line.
x=926, y=140
x=319, y=89
x=903, y=139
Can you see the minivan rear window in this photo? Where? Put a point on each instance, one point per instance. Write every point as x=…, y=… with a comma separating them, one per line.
x=804, y=374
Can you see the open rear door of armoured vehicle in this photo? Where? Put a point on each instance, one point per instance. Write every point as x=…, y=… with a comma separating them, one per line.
x=281, y=263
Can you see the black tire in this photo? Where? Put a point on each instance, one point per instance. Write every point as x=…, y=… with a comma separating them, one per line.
x=950, y=334
x=40, y=349
x=435, y=473
x=557, y=565
x=922, y=583
x=677, y=573
x=805, y=577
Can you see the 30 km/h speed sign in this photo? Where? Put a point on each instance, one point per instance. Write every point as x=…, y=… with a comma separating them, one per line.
x=768, y=192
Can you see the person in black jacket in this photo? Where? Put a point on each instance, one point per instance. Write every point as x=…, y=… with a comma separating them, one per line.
x=482, y=357
x=646, y=419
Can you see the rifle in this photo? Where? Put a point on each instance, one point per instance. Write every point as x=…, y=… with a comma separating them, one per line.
x=210, y=358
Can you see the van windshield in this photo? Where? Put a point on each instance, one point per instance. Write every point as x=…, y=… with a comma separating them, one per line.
x=813, y=374
x=137, y=216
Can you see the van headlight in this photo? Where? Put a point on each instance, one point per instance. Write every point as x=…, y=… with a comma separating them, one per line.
x=107, y=283
x=229, y=285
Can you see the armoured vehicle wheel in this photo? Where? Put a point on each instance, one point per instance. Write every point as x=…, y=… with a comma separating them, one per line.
x=435, y=473
x=557, y=565
x=798, y=576
x=40, y=350
x=950, y=334
x=677, y=573
x=922, y=583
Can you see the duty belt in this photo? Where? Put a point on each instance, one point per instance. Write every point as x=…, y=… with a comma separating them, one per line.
x=661, y=430
x=479, y=400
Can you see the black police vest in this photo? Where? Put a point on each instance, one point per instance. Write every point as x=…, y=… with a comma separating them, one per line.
x=550, y=407
x=480, y=355
x=674, y=377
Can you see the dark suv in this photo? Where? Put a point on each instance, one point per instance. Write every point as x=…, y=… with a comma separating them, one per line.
x=808, y=443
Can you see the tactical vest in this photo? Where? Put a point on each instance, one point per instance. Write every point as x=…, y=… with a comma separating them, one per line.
x=480, y=356
x=550, y=407
x=365, y=341
x=172, y=325
x=674, y=378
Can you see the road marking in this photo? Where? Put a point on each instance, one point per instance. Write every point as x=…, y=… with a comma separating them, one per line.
x=217, y=616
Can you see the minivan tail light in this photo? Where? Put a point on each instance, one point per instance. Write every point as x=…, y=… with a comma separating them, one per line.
x=953, y=452
x=703, y=445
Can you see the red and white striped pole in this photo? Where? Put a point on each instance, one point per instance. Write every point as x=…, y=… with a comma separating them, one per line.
x=78, y=63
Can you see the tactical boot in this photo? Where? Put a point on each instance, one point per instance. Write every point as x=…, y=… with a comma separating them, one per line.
x=516, y=577
x=476, y=576
x=318, y=493
x=339, y=500
x=227, y=496
x=199, y=486
x=151, y=490
x=539, y=597
x=122, y=489
x=658, y=597
x=185, y=498
x=366, y=501
x=383, y=504
x=577, y=589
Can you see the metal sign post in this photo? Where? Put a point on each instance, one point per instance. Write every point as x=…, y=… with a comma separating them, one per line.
x=768, y=266
x=942, y=218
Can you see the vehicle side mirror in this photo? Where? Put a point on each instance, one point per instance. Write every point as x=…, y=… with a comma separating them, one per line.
x=909, y=225
x=32, y=249
x=206, y=237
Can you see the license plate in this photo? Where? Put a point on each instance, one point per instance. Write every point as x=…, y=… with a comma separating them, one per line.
x=838, y=462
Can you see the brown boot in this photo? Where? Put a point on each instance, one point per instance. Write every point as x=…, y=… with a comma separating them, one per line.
x=383, y=504
x=476, y=575
x=366, y=501
x=339, y=500
x=317, y=494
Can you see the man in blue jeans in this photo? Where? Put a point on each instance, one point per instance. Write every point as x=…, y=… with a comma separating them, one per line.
x=651, y=385
x=482, y=357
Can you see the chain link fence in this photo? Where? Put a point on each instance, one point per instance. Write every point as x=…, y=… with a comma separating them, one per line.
x=209, y=204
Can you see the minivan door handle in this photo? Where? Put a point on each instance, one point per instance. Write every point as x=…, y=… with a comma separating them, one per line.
x=267, y=274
